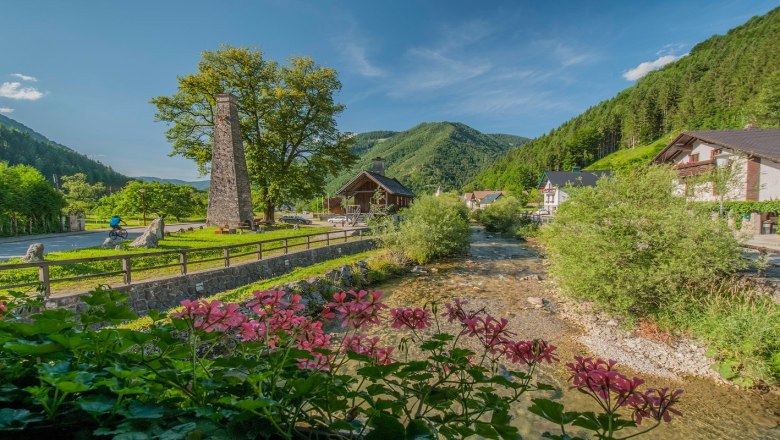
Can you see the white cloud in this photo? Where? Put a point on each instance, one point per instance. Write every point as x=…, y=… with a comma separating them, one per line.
x=14, y=90
x=648, y=66
x=6, y=110
x=355, y=54
x=24, y=77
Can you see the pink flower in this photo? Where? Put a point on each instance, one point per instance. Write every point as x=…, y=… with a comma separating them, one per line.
x=530, y=352
x=3, y=309
x=656, y=404
x=363, y=310
x=410, y=318
x=361, y=344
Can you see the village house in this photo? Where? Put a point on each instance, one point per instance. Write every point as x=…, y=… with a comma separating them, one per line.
x=372, y=189
x=754, y=154
x=553, y=184
x=481, y=199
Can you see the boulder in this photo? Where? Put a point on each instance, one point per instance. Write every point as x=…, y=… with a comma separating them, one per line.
x=34, y=253
x=148, y=240
x=112, y=242
x=159, y=227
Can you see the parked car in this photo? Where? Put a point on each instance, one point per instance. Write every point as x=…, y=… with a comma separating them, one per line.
x=338, y=219
x=294, y=220
x=542, y=212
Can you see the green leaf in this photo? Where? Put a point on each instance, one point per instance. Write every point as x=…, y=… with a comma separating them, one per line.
x=96, y=404
x=30, y=348
x=178, y=432
x=384, y=427
x=485, y=430
x=71, y=387
x=16, y=419
x=138, y=410
x=419, y=430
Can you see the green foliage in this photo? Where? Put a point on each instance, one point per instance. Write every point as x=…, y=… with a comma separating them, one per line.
x=287, y=115
x=80, y=196
x=166, y=199
x=429, y=155
x=433, y=227
x=29, y=204
x=501, y=216
x=629, y=157
x=631, y=245
x=20, y=145
x=725, y=82
x=740, y=325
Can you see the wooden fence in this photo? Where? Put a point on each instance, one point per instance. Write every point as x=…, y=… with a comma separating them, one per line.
x=261, y=249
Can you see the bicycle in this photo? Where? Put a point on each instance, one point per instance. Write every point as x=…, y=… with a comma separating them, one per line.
x=118, y=233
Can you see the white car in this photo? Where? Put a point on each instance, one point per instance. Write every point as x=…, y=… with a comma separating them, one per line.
x=337, y=219
x=542, y=212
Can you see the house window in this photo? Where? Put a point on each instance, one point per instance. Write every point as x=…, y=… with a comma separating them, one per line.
x=714, y=153
x=693, y=158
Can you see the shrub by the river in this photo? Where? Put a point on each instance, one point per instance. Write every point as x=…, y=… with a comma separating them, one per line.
x=433, y=227
x=631, y=245
x=502, y=215
x=260, y=369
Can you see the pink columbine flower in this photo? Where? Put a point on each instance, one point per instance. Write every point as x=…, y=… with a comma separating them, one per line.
x=410, y=318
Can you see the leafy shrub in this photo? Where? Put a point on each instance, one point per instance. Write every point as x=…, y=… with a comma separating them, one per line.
x=434, y=226
x=502, y=215
x=262, y=370
x=633, y=246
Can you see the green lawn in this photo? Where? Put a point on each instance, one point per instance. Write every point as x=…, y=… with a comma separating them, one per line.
x=187, y=240
x=244, y=293
x=93, y=222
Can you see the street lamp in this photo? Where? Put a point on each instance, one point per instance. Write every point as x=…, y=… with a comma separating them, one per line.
x=143, y=203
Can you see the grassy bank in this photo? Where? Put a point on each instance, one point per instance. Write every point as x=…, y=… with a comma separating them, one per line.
x=379, y=269
x=177, y=241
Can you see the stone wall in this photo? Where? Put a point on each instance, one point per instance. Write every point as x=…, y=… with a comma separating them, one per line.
x=164, y=293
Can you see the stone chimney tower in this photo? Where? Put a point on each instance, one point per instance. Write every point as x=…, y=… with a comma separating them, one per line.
x=378, y=165
x=230, y=200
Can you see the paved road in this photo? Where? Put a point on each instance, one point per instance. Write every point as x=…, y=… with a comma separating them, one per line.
x=17, y=246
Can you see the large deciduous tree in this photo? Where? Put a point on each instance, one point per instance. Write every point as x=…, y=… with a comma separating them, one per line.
x=287, y=115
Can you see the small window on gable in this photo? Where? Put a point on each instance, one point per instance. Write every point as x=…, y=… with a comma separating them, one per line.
x=715, y=152
x=693, y=158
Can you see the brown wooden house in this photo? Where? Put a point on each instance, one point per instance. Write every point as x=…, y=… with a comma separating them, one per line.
x=361, y=190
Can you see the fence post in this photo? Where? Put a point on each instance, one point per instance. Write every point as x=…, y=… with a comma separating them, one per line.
x=327, y=238
x=308, y=242
x=183, y=262
x=43, y=277
x=345, y=236
x=226, y=254
x=259, y=251
x=360, y=234
x=285, y=245
x=126, y=269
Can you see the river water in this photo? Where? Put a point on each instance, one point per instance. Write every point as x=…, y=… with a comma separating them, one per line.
x=500, y=275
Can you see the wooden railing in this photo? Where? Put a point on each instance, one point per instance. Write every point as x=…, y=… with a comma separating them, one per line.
x=184, y=263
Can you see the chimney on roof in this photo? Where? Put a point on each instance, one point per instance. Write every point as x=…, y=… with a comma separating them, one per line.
x=378, y=165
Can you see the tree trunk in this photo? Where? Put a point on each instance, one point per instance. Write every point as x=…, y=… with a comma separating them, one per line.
x=269, y=212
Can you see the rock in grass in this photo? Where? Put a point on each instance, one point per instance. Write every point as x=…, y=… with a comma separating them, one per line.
x=34, y=253
x=111, y=242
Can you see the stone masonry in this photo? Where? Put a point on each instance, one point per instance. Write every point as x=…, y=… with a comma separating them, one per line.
x=168, y=292
x=230, y=200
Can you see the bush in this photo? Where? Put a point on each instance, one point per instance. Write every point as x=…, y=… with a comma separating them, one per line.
x=633, y=246
x=433, y=227
x=502, y=215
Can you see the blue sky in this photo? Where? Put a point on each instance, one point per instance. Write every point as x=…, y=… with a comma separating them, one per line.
x=82, y=72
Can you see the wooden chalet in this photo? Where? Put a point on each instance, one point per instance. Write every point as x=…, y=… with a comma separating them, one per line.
x=361, y=190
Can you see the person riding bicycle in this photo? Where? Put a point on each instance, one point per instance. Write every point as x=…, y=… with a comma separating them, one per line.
x=116, y=222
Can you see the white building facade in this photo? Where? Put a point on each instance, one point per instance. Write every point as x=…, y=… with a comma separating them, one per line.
x=554, y=183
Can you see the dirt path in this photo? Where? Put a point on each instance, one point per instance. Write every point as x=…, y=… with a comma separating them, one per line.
x=509, y=280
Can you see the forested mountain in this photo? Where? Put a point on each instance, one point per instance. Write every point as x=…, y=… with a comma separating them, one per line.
x=197, y=184
x=21, y=145
x=726, y=81
x=433, y=154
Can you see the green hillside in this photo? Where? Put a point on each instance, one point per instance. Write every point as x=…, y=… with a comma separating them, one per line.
x=726, y=81
x=197, y=184
x=446, y=154
x=21, y=145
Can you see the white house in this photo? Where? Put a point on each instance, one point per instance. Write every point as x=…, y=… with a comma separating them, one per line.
x=754, y=154
x=553, y=184
x=481, y=199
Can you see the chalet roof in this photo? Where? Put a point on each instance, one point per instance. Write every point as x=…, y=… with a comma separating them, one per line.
x=391, y=185
x=490, y=198
x=479, y=195
x=573, y=178
x=758, y=142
